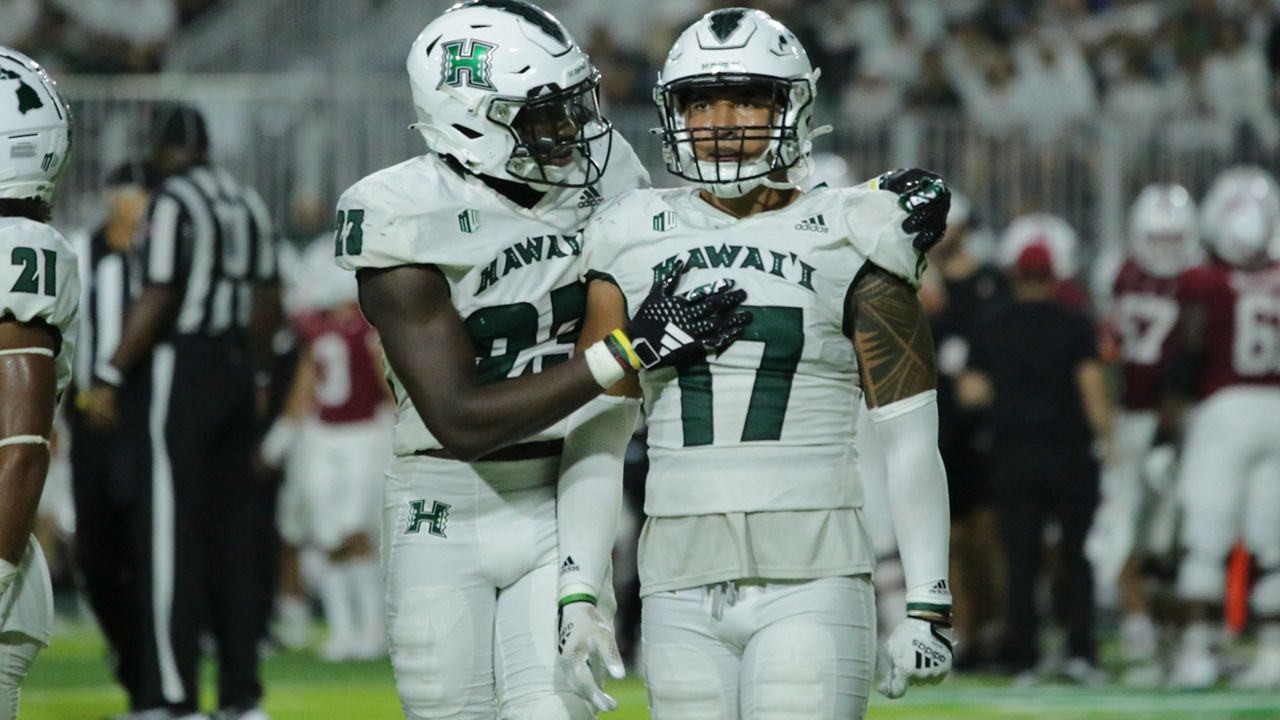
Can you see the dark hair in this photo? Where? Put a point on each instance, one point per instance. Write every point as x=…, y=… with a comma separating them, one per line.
x=32, y=208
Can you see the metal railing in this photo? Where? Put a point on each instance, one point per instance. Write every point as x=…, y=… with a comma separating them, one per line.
x=309, y=136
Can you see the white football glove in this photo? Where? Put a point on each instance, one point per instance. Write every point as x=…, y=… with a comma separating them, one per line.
x=587, y=637
x=917, y=653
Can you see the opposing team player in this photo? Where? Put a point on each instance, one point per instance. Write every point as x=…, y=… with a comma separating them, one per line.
x=466, y=259
x=755, y=562
x=338, y=441
x=39, y=322
x=1229, y=481
x=1164, y=240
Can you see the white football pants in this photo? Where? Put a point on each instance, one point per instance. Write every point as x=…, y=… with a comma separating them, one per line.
x=469, y=553
x=1229, y=485
x=761, y=650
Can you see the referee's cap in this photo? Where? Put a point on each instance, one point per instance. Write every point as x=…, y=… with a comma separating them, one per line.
x=179, y=124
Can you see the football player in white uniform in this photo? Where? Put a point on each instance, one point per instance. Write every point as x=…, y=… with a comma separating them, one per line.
x=466, y=259
x=39, y=322
x=754, y=561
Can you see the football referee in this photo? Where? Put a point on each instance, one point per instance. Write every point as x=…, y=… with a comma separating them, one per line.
x=101, y=480
x=183, y=384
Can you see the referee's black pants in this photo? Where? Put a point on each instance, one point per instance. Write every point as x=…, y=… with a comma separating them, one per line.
x=201, y=527
x=104, y=489
x=1032, y=489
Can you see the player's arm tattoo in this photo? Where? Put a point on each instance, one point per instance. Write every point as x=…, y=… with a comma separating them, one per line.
x=891, y=337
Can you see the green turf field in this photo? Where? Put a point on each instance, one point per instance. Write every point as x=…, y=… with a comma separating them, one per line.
x=70, y=682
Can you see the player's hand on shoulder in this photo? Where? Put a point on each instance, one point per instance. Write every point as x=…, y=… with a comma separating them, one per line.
x=587, y=636
x=925, y=197
x=919, y=652
x=670, y=328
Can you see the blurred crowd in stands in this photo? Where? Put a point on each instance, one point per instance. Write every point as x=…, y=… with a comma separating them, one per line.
x=96, y=36
x=1209, y=65
x=1204, y=69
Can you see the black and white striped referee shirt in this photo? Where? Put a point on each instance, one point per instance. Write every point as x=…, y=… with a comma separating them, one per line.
x=212, y=236
x=104, y=300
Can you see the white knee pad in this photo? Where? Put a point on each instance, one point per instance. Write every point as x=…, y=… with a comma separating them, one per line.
x=432, y=652
x=684, y=685
x=1201, y=577
x=787, y=682
x=17, y=652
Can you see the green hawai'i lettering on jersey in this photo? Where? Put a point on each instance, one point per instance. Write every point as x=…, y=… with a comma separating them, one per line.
x=784, y=265
x=528, y=252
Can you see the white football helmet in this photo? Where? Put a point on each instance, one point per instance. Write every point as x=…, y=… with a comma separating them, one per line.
x=745, y=48
x=1240, y=217
x=1163, y=230
x=500, y=86
x=1054, y=232
x=35, y=128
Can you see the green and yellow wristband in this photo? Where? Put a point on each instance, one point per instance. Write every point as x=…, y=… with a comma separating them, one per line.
x=611, y=359
x=931, y=612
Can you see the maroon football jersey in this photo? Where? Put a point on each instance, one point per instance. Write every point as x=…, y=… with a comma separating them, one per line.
x=1242, y=337
x=1146, y=311
x=348, y=383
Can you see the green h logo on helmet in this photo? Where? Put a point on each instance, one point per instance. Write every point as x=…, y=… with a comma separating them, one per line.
x=467, y=62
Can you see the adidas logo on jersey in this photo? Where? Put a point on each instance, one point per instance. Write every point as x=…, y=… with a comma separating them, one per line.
x=590, y=197
x=817, y=223
x=569, y=566
x=469, y=221
x=664, y=221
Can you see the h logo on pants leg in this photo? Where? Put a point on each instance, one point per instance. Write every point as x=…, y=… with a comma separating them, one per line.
x=436, y=520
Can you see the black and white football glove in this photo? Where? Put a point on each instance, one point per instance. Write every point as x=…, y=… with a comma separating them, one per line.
x=925, y=197
x=670, y=328
x=918, y=652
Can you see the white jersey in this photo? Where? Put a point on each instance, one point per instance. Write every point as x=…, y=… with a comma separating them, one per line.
x=512, y=272
x=768, y=425
x=39, y=282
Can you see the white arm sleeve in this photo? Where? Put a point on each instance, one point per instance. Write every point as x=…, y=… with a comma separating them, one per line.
x=918, y=503
x=589, y=497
